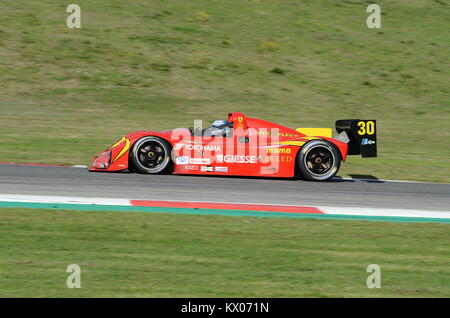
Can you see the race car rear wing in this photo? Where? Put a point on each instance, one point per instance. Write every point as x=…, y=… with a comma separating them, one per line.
x=362, y=136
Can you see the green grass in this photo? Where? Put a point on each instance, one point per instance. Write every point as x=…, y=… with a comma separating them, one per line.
x=68, y=93
x=165, y=255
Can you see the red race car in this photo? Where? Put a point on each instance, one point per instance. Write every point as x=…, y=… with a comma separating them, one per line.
x=242, y=146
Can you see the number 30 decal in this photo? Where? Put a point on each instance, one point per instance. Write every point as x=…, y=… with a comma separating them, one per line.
x=366, y=128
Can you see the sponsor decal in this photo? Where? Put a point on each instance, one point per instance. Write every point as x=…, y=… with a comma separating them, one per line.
x=198, y=147
x=239, y=124
x=278, y=150
x=199, y=161
x=272, y=133
x=190, y=167
x=267, y=159
x=182, y=160
x=366, y=141
x=236, y=159
x=206, y=168
x=222, y=169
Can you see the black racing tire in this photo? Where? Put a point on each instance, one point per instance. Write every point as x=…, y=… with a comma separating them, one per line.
x=151, y=155
x=318, y=160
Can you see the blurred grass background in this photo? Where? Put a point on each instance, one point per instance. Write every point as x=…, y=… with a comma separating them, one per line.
x=66, y=94
x=133, y=254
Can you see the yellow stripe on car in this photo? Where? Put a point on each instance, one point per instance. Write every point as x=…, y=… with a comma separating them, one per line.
x=292, y=143
x=324, y=132
x=117, y=143
x=124, y=149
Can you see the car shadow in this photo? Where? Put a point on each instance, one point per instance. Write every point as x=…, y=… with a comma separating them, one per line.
x=335, y=179
x=357, y=177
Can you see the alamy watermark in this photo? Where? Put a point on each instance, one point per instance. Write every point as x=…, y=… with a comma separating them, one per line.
x=73, y=21
x=374, y=20
x=374, y=279
x=74, y=279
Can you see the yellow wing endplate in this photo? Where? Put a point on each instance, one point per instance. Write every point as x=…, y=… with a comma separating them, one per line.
x=323, y=132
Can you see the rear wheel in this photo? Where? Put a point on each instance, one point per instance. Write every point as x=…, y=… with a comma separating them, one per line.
x=150, y=155
x=319, y=160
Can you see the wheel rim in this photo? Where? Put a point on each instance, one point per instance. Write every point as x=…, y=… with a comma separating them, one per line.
x=151, y=154
x=319, y=160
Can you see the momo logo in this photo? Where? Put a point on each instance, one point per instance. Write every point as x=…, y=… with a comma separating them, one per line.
x=236, y=159
x=278, y=150
x=366, y=141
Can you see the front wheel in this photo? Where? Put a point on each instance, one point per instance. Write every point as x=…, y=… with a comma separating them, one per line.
x=150, y=155
x=319, y=160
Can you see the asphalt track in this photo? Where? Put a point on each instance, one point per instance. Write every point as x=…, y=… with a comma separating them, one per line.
x=69, y=181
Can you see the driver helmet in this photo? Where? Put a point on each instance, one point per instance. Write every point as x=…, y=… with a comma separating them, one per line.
x=219, y=123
